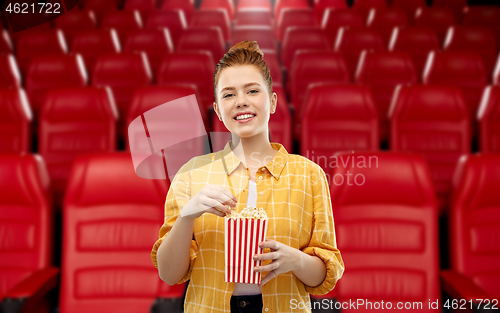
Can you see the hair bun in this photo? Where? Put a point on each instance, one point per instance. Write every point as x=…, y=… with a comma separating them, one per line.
x=251, y=46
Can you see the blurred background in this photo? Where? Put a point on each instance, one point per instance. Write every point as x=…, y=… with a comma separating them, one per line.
x=413, y=83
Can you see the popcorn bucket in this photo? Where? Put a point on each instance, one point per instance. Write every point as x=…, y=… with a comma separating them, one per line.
x=242, y=238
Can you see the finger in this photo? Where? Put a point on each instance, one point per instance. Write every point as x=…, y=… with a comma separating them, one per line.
x=267, y=256
x=224, y=191
x=220, y=196
x=212, y=203
x=267, y=278
x=271, y=244
x=216, y=212
x=267, y=268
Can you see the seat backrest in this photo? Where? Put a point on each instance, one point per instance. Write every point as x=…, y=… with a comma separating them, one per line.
x=226, y=5
x=382, y=72
x=334, y=19
x=280, y=123
x=496, y=73
x=433, y=121
x=438, y=18
x=489, y=120
x=409, y=6
x=475, y=220
x=143, y=6
x=282, y=4
x=311, y=67
x=75, y=21
x=297, y=38
x=389, y=238
x=213, y=17
x=27, y=218
x=364, y=6
x=5, y=42
x=92, y=43
x=252, y=4
x=100, y=8
x=195, y=68
x=36, y=43
x=253, y=16
x=186, y=7
x=384, y=21
x=456, y=5
x=476, y=39
x=417, y=41
x=320, y=6
x=481, y=15
x=66, y=131
x=173, y=20
x=352, y=42
x=110, y=214
x=337, y=117
x=293, y=17
x=53, y=71
x=264, y=35
x=15, y=120
x=124, y=22
x=271, y=59
x=462, y=69
x=9, y=72
x=155, y=43
x=122, y=72
x=203, y=38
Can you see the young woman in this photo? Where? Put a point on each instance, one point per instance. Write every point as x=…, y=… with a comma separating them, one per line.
x=300, y=253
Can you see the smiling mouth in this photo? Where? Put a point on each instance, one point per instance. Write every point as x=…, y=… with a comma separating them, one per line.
x=244, y=117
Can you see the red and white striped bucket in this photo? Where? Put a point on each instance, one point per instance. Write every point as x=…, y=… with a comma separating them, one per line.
x=242, y=238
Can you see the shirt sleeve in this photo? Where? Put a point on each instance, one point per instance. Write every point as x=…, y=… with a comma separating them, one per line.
x=323, y=243
x=178, y=195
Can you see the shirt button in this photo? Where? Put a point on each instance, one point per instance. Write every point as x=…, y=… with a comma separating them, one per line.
x=266, y=309
x=260, y=177
x=261, y=193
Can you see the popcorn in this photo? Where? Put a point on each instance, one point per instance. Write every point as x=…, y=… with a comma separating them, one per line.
x=249, y=212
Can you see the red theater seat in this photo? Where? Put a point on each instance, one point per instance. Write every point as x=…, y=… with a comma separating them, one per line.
x=92, y=43
x=456, y=5
x=364, y=6
x=474, y=220
x=123, y=73
x=213, y=17
x=100, y=7
x=282, y=4
x=74, y=22
x=293, y=17
x=417, y=41
x=15, y=120
x=27, y=228
x=483, y=15
x=461, y=69
x=66, y=131
x=352, y=42
x=337, y=117
x=186, y=6
x=320, y=6
x=173, y=20
x=297, y=38
x=437, y=18
x=155, y=43
x=145, y=7
x=496, y=73
x=5, y=42
x=474, y=39
x=203, y=38
x=124, y=22
x=390, y=239
x=226, y=5
x=312, y=67
x=253, y=16
x=382, y=72
x=384, y=20
x=9, y=73
x=489, y=120
x=108, y=237
x=432, y=121
x=409, y=6
x=334, y=19
x=264, y=36
x=53, y=71
x=195, y=68
x=253, y=4
x=36, y=43
x=273, y=63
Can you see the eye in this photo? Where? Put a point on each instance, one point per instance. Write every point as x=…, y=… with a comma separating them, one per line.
x=253, y=91
x=227, y=95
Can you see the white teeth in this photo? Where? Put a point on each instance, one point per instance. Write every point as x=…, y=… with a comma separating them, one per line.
x=244, y=116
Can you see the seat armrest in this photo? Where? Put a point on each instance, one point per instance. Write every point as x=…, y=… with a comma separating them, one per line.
x=25, y=296
x=460, y=286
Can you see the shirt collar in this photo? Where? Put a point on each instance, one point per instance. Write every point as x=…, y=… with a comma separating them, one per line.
x=275, y=166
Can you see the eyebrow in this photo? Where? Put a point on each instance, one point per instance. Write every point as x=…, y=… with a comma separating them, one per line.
x=245, y=86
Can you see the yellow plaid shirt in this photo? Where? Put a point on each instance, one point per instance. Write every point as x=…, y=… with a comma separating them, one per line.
x=294, y=192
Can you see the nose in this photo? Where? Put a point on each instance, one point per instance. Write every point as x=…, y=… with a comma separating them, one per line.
x=241, y=100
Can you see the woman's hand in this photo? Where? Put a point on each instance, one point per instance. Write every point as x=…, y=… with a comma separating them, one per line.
x=211, y=199
x=285, y=259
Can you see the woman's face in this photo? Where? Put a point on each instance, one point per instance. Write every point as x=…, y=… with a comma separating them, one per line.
x=243, y=101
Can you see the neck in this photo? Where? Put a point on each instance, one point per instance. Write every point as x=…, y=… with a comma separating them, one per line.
x=255, y=151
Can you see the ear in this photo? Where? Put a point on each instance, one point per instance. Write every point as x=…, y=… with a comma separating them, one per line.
x=216, y=109
x=274, y=102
